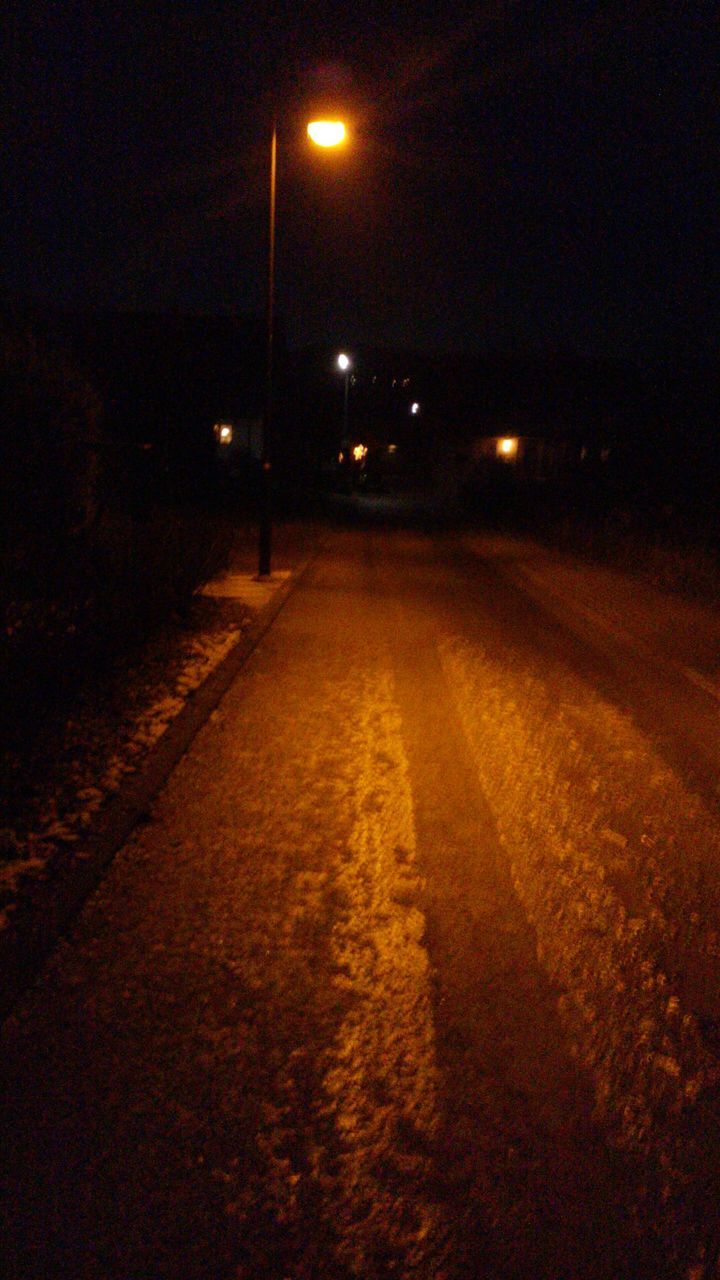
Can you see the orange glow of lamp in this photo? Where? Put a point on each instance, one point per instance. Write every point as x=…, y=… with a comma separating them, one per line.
x=327, y=133
x=507, y=447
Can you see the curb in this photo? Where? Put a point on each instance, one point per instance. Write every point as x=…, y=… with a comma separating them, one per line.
x=52, y=903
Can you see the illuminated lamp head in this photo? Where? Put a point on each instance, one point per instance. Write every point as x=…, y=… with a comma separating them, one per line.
x=327, y=133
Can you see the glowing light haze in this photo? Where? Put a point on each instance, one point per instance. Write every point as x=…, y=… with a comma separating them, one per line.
x=327, y=133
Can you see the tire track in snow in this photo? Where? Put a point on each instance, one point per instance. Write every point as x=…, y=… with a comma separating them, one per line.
x=555, y=804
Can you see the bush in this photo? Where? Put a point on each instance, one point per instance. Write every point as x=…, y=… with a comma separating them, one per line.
x=49, y=450
x=90, y=562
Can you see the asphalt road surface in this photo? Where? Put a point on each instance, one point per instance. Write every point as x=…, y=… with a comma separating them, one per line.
x=413, y=969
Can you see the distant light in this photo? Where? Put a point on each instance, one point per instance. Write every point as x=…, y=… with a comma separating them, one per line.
x=327, y=133
x=359, y=452
x=414, y=408
x=341, y=456
x=343, y=361
x=223, y=432
x=392, y=448
x=507, y=447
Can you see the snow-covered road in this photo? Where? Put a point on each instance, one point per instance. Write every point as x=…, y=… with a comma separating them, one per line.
x=413, y=969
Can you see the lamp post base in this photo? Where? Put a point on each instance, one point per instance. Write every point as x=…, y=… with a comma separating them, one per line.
x=265, y=524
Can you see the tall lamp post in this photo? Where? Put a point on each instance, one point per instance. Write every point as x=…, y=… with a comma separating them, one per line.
x=324, y=133
x=345, y=364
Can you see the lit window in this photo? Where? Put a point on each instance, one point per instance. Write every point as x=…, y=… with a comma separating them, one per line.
x=223, y=432
x=507, y=447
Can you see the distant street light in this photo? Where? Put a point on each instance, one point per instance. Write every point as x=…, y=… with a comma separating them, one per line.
x=507, y=448
x=324, y=133
x=345, y=363
x=414, y=408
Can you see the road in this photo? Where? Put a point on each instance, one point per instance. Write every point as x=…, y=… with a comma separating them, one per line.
x=413, y=969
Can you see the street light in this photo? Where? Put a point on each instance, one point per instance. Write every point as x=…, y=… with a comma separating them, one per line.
x=507, y=448
x=345, y=363
x=324, y=133
x=327, y=133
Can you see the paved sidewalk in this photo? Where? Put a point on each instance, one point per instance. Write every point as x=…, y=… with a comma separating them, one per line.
x=60, y=860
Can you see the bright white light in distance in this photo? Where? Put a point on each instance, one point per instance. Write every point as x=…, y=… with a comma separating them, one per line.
x=343, y=361
x=414, y=408
x=326, y=133
x=223, y=432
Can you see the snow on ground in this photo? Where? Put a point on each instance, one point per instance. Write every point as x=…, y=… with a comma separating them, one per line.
x=385, y=1045
x=116, y=724
x=248, y=587
x=606, y=847
x=620, y=602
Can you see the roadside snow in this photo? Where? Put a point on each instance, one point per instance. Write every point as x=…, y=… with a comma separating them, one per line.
x=109, y=736
x=607, y=850
x=628, y=609
x=247, y=587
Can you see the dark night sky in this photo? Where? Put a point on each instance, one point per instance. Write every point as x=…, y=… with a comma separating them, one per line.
x=519, y=174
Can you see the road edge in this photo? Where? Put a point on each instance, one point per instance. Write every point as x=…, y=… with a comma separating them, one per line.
x=54, y=901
